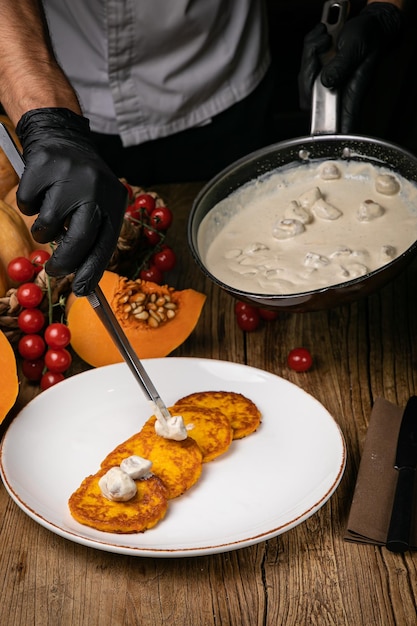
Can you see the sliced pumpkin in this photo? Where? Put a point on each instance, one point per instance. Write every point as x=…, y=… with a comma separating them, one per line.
x=156, y=319
x=9, y=387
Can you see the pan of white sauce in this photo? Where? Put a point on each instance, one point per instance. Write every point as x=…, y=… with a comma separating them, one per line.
x=309, y=223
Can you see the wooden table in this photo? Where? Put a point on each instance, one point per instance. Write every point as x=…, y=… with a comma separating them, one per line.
x=308, y=575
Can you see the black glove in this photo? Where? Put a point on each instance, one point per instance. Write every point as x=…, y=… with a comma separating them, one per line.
x=80, y=201
x=362, y=39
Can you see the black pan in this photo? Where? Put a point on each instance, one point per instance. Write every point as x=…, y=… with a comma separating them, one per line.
x=323, y=144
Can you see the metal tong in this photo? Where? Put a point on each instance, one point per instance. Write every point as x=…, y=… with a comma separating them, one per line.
x=99, y=303
x=104, y=311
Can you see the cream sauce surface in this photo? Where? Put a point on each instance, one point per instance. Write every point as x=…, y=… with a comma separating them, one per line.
x=308, y=227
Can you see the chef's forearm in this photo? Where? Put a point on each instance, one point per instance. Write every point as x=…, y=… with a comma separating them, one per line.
x=29, y=74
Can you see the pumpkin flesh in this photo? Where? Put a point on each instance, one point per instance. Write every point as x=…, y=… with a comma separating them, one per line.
x=91, y=341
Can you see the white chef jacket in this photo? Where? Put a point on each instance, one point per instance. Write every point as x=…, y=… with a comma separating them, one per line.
x=145, y=69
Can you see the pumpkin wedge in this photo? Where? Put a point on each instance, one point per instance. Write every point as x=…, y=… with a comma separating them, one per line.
x=9, y=387
x=156, y=319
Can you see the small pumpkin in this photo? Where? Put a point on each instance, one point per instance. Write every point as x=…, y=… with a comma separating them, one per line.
x=137, y=305
x=8, y=177
x=10, y=200
x=10, y=197
x=4, y=281
x=9, y=387
x=15, y=239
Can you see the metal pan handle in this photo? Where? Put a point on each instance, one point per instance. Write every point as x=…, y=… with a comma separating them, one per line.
x=325, y=102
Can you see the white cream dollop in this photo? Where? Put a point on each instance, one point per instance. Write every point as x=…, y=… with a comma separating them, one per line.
x=171, y=428
x=136, y=467
x=117, y=485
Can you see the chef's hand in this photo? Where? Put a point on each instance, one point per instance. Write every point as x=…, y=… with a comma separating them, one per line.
x=360, y=42
x=80, y=201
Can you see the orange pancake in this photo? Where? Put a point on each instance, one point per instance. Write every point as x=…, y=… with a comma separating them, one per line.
x=211, y=429
x=89, y=507
x=243, y=414
x=217, y=418
x=177, y=463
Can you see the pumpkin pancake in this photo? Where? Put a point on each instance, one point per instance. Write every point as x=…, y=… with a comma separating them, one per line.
x=217, y=417
x=211, y=429
x=177, y=463
x=89, y=507
x=243, y=414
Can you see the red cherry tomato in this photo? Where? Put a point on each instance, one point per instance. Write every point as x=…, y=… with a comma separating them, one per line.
x=133, y=214
x=20, y=269
x=152, y=273
x=31, y=347
x=248, y=320
x=33, y=370
x=268, y=315
x=145, y=201
x=164, y=259
x=57, y=335
x=31, y=320
x=161, y=218
x=38, y=258
x=29, y=295
x=299, y=359
x=57, y=360
x=239, y=306
x=243, y=306
x=51, y=378
x=152, y=236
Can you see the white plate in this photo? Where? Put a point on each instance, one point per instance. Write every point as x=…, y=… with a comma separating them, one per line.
x=264, y=485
